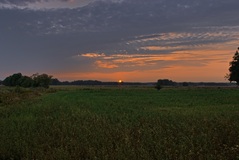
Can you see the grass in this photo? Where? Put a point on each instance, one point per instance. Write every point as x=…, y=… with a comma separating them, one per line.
x=122, y=123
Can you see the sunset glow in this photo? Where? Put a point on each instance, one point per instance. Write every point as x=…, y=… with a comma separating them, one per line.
x=110, y=40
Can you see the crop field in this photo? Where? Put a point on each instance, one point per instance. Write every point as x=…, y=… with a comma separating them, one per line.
x=119, y=123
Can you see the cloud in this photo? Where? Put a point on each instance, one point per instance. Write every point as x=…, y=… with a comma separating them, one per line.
x=130, y=62
x=43, y=4
x=130, y=17
x=195, y=39
x=160, y=48
x=186, y=65
x=106, y=65
x=93, y=55
x=25, y=2
x=119, y=35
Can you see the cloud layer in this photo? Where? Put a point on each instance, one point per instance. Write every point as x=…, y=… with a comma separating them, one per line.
x=24, y=2
x=110, y=36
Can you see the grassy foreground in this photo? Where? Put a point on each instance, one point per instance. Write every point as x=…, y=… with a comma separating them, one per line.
x=123, y=123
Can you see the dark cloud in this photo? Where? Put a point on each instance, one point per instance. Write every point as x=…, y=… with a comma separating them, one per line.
x=104, y=23
x=25, y=2
x=123, y=20
x=131, y=16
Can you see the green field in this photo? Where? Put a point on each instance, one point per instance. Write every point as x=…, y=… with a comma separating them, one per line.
x=120, y=123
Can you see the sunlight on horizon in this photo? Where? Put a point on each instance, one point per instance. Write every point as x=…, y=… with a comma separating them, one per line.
x=206, y=65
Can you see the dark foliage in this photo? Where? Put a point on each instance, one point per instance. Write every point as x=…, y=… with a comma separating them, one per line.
x=166, y=82
x=35, y=80
x=234, y=69
x=12, y=80
x=185, y=84
x=55, y=81
x=41, y=80
x=89, y=82
x=25, y=82
x=158, y=85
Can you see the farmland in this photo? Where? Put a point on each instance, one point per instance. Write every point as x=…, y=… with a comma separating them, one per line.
x=119, y=123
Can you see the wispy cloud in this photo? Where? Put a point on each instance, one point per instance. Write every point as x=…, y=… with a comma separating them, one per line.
x=43, y=4
x=107, y=65
x=24, y=2
x=93, y=55
x=156, y=61
x=164, y=43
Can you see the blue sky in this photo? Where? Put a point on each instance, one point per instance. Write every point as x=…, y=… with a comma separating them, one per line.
x=133, y=40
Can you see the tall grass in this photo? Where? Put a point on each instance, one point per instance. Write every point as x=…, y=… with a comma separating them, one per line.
x=123, y=123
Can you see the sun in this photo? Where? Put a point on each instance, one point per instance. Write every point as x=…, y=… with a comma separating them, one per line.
x=120, y=81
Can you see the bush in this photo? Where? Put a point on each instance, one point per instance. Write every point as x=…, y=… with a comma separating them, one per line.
x=158, y=86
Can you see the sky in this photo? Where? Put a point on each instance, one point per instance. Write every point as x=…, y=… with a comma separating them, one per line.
x=108, y=40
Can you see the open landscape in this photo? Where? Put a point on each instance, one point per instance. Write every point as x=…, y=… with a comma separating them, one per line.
x=119, y=122
x=119, y=80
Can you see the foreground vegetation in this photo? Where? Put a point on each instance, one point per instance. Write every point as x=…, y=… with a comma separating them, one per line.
x=121, y=123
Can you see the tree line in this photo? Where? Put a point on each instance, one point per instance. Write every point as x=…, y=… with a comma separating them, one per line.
x=36, y=80
x=44, y=80
x=55, y=81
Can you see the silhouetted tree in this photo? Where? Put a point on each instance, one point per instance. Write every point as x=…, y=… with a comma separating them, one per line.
x=12, y=80
x=158, y=85
x=36, y=80
x=234, y=69
x=166, y=82
x=41, y=80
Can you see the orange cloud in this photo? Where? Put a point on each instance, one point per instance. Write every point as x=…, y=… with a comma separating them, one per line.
x=105, y=65
x=181, y=58
x=93, y=55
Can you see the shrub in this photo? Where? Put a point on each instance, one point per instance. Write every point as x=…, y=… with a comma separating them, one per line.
x=158, y=85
